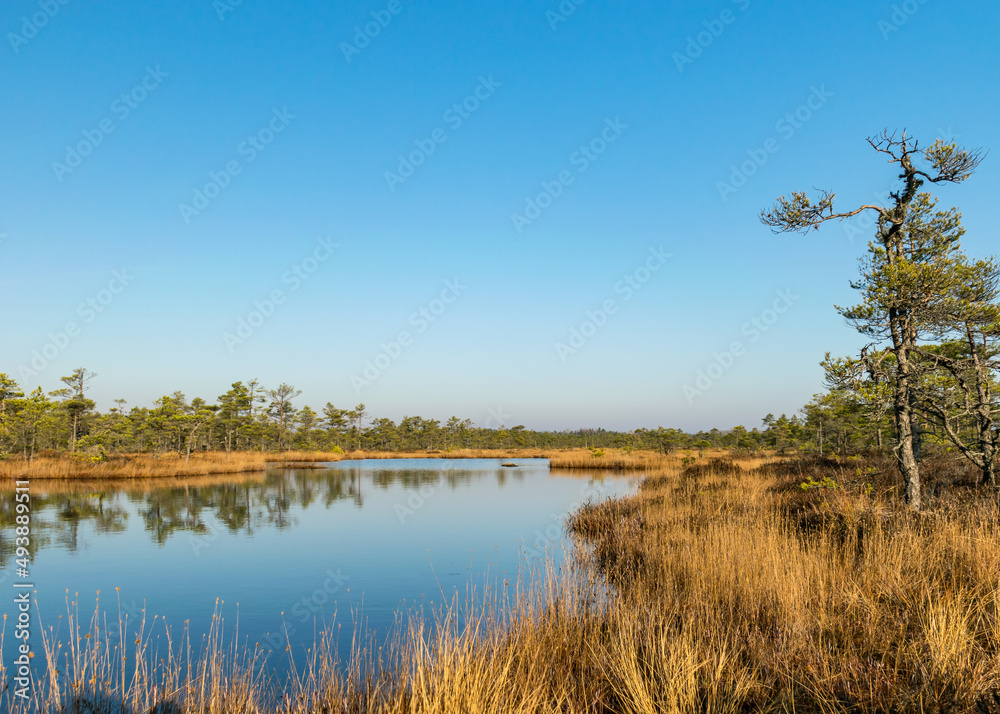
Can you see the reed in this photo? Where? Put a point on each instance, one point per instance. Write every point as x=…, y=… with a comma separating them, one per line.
x=740, y=590
x=617, y=460
x=173, y=465
x=453, y=454
x=143, y=466
x=732, y=589
x=87, y=486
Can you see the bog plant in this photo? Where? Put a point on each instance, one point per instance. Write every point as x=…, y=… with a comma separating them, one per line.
x=826, y=482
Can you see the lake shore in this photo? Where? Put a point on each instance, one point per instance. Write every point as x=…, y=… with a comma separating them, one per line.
x=739, y=584
x=800, y=584
x=173, y=465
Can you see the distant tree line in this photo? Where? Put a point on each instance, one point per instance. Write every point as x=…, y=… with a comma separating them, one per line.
x=250, y=417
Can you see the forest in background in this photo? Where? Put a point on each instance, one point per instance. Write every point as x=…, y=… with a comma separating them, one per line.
x=249, y=417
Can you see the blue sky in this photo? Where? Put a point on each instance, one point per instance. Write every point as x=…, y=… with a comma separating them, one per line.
x=288, y=121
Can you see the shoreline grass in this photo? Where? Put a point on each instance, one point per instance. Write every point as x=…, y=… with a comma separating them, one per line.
x=737, y=585
x=86, y=486
x=622, y=460
x=153, y=466
x=828, y=597
x=173, y=465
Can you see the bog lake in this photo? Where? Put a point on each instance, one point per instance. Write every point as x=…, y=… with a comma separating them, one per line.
x=282, y=554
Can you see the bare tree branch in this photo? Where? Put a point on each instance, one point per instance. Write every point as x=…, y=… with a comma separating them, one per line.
x=798, y=214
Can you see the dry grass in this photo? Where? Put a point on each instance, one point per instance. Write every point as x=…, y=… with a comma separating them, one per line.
x=621, y=460
x=452, y=454
x=86, y=486
x=140, y=466
x=482, y=658
x=735, y=590
x=614, y=460
x=603, y=460
x=740, y=591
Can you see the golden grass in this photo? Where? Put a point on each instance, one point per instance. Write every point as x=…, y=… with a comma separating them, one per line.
x=481, y=658
x=614, y=460
x=643, y=460
x=452, y=454
x=736, y=583
x=139, y=466
x=84, y=486
x=733, y=590
x=607, y=460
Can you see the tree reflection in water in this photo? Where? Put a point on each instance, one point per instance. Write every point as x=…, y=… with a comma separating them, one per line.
x=238, y=504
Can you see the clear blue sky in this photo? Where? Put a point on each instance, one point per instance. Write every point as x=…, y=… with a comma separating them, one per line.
x=329, y=121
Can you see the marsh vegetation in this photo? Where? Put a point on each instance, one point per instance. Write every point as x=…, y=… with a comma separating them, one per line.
x=736, y=585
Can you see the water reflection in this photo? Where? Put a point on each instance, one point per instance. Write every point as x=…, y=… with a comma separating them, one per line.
x=291, y=548
x=240, y=504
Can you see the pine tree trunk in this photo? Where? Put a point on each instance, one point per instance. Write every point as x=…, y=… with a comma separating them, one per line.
x=906, y=457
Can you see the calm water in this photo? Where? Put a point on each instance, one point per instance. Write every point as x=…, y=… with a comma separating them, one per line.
x=372, y=537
